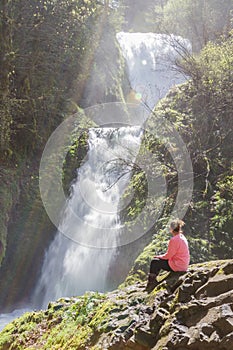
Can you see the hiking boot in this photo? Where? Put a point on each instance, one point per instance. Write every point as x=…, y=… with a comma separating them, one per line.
x=152, y=282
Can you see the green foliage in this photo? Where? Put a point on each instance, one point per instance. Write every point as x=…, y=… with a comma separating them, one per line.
x=137, y=188
x=200, y=111
x=211, y=104
x=200, y=249
x=222, y=219
x=101, y=317
x=105, y=69
x=48, y=42
x=48, y=51
x=77, y=150
x=6, y=55
x=6, y=121
x=198, y=20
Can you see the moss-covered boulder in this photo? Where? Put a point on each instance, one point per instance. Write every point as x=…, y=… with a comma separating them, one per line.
x=188, y=310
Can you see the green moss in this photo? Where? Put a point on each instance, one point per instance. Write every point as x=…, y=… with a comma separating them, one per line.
x=18, y=332
x=6, y=337
x=221, y=271
x=96, y=347
x=65, y=328
x=101, y=316
x=66, y=335
x=165, y=329
x=208, y=264
x=174, y=302
x=154, y=292
x=77, y=150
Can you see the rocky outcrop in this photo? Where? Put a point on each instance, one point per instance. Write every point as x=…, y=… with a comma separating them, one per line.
x=191, y=310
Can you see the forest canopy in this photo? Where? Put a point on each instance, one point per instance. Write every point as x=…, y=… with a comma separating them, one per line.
x=42, y=50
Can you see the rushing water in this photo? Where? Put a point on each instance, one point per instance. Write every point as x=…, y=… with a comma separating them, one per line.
x=78, y=261
x=151, y=59
x=81, y=262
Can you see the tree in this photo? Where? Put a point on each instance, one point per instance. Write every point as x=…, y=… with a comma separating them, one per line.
x=222, y=219
x=201, y=111
x=5, y=72
x=43, y=46
x=137, y=12
x=198, y=20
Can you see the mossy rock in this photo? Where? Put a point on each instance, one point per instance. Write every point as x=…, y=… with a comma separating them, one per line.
x=110, y=321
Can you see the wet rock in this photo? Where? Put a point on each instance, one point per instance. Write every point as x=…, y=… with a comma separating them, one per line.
x=227, y=342
x=55, y=306
x=185, y=292
x=158, y=319
x=228, y=268
x=122, y=316
x=145, y=337
x=216, y=285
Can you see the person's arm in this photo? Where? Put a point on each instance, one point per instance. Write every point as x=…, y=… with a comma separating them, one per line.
x=171, y=251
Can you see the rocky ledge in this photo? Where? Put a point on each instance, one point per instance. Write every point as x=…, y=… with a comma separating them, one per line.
x=191, y=310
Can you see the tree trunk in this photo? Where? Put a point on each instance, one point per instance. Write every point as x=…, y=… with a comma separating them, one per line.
x=5, y=48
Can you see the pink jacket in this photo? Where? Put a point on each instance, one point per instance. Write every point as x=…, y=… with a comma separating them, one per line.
x=177, y=253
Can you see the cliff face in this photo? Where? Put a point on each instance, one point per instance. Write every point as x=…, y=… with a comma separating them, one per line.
x=25, y=229
x=192, y=310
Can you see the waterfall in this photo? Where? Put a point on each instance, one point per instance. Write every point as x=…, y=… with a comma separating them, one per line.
x=151, y=59
x=78, y=260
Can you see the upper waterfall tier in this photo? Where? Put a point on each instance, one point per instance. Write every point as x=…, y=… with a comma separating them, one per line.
x=151, y=59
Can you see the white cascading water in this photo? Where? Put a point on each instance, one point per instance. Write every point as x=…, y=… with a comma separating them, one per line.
x=151, y=63
x=70, y=268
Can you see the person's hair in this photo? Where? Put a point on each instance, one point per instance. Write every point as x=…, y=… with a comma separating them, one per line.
x=176, y=225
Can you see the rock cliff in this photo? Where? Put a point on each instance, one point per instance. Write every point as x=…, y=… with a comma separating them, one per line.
x=191, y=310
